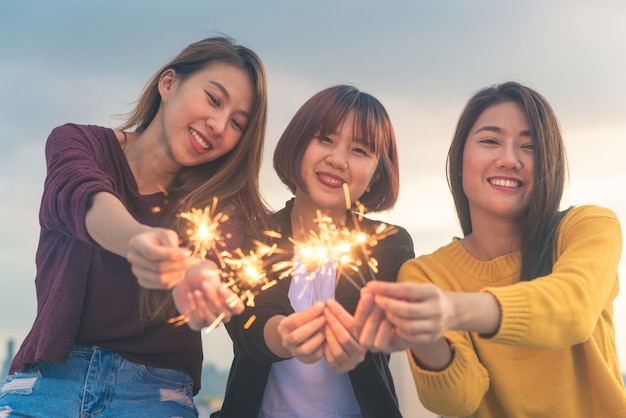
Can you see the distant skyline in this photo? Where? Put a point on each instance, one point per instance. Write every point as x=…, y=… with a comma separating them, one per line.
x=85, y=62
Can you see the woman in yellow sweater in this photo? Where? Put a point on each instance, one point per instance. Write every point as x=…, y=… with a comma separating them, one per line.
x=515, y=319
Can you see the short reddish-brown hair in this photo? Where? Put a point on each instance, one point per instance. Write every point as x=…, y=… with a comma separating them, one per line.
x=324, y=113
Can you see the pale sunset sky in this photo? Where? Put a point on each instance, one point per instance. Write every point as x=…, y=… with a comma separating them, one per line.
x=85, y=62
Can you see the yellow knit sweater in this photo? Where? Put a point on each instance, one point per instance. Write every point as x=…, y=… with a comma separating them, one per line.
x=554, y=354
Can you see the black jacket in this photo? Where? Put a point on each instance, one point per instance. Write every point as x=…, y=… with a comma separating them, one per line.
x=371, y=380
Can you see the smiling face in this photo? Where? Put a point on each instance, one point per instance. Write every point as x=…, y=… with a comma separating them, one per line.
x=498, y=164
x=329, y=162
x=204, y=115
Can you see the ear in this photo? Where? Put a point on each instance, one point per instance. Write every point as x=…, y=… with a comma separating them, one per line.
x=374, y=179
x=167, y=80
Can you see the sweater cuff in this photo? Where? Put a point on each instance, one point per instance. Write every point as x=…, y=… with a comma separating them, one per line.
x=514, y=317
x=445, y=379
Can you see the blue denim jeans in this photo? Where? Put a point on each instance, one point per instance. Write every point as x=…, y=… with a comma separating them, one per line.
x=97, y=383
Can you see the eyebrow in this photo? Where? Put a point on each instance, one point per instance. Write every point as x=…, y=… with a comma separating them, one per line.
x=357, y=139
x=226, y=93
x=498, y=130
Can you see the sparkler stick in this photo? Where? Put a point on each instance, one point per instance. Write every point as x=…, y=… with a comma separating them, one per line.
x=214, y=324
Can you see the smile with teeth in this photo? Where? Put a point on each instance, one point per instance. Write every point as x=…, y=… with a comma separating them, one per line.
x=514, y=184
x=199, y=140
x=330, y=180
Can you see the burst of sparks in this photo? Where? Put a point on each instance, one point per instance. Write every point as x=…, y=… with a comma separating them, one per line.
x=204, y=229
x=331, y=240
x=349, y=247
x=246, y=275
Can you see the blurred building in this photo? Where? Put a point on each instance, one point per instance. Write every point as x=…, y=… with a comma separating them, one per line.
x=211, y=395
x=9, y=358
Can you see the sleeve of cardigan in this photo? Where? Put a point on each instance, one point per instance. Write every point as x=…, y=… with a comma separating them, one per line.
x=391, y=253
x=73, y=175
x=563, y=308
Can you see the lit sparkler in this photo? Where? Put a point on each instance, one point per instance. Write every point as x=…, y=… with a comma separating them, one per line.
x=338, y=242
x=204, y=232
x=246, y=275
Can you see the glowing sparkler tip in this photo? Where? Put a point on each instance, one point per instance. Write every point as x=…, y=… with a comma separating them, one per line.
x=204, y=232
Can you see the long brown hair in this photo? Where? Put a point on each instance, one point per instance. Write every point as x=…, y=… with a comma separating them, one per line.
x=233, y=178
x=322, y=114
x=540, y=221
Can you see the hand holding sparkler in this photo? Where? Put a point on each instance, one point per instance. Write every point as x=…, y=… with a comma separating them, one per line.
x=299, y=335
x=203, y=300
x=243, y=275
x=372, y=327
x=415, y=316
x=157, y=260
x=342, y=350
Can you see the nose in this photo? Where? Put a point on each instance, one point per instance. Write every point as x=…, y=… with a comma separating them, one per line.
x=217, y=122
x=509, y=157
x=336, y=158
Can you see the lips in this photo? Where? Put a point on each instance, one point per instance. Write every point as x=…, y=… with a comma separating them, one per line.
x=202, y=143
x=330, y=180
x=510, y=183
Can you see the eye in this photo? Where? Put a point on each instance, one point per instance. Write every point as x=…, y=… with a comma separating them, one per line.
x=238, y=125
x=529, y=147
x=361, y=150
x=212, y=99
x=490, y=141
x=325, y=139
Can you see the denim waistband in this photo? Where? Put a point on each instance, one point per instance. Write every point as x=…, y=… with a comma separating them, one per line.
x=78, y=348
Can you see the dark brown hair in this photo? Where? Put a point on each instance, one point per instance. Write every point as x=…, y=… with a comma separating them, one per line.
x=322, y=114
x=540, y=221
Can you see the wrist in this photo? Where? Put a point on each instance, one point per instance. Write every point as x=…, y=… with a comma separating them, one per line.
x=474, y=312
x=435, y=356
x=272, y=337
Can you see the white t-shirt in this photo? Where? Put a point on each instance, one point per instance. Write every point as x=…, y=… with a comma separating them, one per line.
x=295, y=389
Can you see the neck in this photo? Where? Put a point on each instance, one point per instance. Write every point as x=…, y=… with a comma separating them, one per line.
x=492, y=240
x=153, y=168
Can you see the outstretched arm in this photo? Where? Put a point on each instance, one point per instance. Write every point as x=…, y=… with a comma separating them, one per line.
x=416, y=316
x=154, y=253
